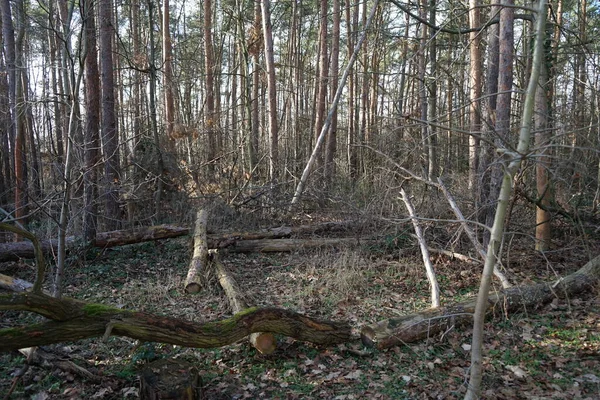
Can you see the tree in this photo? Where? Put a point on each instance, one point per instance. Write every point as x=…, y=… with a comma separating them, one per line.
x=506, y=189
x=475, y=87
x=272, y=90
x=92, y=124
x=110, y=136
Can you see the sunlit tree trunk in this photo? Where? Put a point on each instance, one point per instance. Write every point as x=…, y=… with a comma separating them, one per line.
x=110, y=136
x=331, y=145
x=209, y=63
x=322, y=80
x=543, y=137
x=475, y=75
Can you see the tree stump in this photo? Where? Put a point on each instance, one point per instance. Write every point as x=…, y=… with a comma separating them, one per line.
x=170, y=379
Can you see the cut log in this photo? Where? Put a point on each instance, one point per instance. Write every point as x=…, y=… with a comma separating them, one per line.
x=264, y=342
x=75, y=320
x=193, y=282
x=287, y=245
x=414, y=327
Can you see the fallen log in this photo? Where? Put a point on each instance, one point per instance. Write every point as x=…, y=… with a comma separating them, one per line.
x=264, y=342
x=75, y=320
x=287, y=245
x=193, y=281
x=418, y=326
x=14, y=284
x=14, y=251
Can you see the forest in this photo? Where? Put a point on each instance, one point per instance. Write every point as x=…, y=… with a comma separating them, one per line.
x=290, y=199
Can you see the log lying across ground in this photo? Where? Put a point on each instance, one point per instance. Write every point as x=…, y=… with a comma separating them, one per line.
x=73, y=320
x=287, y=245
x=198, y=264
x=264, y=342
x=13, y=251
x=418, y=326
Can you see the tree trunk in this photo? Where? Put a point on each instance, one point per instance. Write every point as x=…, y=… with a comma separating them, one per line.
x=211, y=120
x=264, y=342
x=272, y=91
x=475, y=74
x=110, y=137
x=198, y=265
x=76, y=320
x=92, y=127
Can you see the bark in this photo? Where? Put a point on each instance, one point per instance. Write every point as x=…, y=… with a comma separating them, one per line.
x=193, y=282
x=271, y=88
x=74, y=320
x=209, y=65
x=92, y=126
x=110, y=136
x=264, y=342
x=427, y=323
x=475, y=75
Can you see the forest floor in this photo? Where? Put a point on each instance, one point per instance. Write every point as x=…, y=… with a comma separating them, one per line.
x=551, y=353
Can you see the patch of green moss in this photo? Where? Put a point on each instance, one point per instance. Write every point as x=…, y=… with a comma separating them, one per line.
x=10, y=332
x=98, y=309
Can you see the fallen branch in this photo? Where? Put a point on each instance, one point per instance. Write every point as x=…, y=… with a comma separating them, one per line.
x=264, y=342
x=414, y=327
x=75, y=320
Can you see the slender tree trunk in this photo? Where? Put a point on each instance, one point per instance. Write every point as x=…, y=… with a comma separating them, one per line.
x=21, y=185
x=168, y=72
x=322, y=76
x=543, y=138
x=209, y=64
x=272, y=91
x=92, y=125
x=432, y=91
x=110, y=136
x=331, y=146
x=475, y=75
x=512, y=167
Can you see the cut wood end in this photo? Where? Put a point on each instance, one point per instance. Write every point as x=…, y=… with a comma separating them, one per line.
x=264, y=342
x=192, y=288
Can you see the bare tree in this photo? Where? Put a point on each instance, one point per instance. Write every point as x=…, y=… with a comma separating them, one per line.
x=511, y=167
